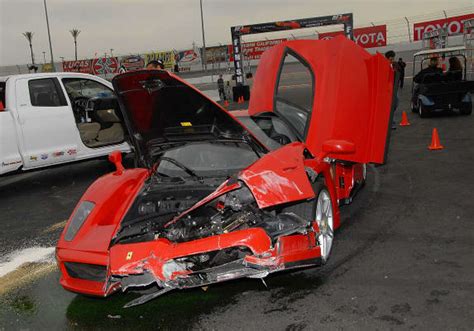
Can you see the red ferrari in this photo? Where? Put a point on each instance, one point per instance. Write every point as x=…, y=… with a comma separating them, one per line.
x=215, y=197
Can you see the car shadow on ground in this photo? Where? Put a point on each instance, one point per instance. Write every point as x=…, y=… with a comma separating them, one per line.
x=181, y=309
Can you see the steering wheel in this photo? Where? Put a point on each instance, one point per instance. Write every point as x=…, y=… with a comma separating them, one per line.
x=79, y=108
x=281, y=139
x=80, y=103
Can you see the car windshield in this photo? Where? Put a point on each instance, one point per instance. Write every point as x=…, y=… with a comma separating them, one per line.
x=206, y=159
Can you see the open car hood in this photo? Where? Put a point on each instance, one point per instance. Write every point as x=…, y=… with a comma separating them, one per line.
x=159, y=107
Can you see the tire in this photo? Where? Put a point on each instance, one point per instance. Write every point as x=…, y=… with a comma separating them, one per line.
x=422, y=111
x=308, y=210
x=414, y=108
x=466, y=109
x=323, y=215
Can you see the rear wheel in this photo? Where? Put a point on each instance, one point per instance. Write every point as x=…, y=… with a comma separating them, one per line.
x=423, y=111
x=324, y=218
x=466, y=108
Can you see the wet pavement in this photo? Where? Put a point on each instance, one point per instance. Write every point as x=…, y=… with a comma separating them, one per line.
x=403, y=258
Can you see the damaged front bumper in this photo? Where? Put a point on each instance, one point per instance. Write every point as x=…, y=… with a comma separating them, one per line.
x=170, y=266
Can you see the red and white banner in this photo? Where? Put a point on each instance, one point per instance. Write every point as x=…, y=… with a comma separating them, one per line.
x=454, y=25
x=105, y=65
x=83, y=66
x=371, y=36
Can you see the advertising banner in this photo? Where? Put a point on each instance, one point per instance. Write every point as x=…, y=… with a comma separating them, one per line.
x=254, y=50
x=105, y=65
x=168, y=58
x=217, y=54
x=187, y=59
x=455, y=25
x=82, y=66
x=368, y=37
x=47, y=67
x=131, y=62
x=293, y=24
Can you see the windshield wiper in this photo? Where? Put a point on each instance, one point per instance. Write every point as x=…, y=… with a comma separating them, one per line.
x=180, y=165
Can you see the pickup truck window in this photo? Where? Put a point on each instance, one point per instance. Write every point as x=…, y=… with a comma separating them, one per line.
x=46, y=92
x=80, y=87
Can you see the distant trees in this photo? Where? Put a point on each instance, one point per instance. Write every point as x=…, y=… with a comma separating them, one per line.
x=75, y=33
x=29, y=36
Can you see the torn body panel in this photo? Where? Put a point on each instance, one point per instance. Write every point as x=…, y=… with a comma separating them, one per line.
x=170, y=266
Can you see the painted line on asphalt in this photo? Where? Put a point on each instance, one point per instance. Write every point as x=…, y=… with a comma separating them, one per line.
x=24, y=275
x=16, y=178
x=18, y=258
x=54, y=227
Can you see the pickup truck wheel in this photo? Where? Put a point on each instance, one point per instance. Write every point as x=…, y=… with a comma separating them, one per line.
x=324, y=218
x=466, y=108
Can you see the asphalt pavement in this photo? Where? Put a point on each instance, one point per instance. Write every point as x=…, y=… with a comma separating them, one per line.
x=403, y=258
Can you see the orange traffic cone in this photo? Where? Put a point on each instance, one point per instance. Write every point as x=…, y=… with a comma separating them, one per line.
x=226, y=103
x=435, y=144
x=404, y=121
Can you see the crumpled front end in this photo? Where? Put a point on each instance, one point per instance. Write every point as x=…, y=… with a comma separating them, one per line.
x=250, y=253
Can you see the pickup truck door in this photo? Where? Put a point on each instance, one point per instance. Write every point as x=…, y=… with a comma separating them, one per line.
x=46, y=122
x=10, y=158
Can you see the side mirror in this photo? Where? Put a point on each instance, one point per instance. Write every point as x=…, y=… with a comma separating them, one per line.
x=338, y=147
x=116, y=158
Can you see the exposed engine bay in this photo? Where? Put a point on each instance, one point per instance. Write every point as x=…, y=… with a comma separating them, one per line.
x=163, y=213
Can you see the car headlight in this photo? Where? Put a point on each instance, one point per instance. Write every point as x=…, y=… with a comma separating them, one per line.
x=78, y=219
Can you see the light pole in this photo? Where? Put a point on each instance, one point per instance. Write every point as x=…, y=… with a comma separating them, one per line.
x=44, y=57
x=111, y=52
x=49, y=36
x=204, y=62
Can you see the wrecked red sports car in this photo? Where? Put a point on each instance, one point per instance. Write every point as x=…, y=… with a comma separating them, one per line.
x=210, y=200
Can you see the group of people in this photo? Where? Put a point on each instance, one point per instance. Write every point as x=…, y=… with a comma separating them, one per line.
x=454, y=71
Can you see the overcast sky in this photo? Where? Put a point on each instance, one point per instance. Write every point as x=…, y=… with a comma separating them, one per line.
x=145, y=25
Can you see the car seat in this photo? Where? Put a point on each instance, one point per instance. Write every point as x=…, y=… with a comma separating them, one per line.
x=88, y=132
x=111, y=130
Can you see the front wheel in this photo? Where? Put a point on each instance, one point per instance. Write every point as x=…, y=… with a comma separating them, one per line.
x=324, y=219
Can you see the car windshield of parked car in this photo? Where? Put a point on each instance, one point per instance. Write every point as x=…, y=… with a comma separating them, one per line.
x=206, y=159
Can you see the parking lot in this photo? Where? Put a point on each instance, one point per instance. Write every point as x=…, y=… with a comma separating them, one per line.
x=404, y=256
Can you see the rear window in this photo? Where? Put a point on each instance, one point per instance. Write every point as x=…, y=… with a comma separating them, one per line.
x=46, y=93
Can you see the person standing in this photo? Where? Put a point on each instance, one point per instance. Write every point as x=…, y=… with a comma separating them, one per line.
x=220, y=87
x=401, y=68
x=390, y=55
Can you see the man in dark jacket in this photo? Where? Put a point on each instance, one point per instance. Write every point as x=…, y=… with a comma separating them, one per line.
x=401, y=69
x=390, y=55
x=430, y=70
x=220, y=87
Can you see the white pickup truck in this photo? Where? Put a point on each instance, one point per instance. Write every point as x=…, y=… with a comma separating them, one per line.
x=46, y=119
